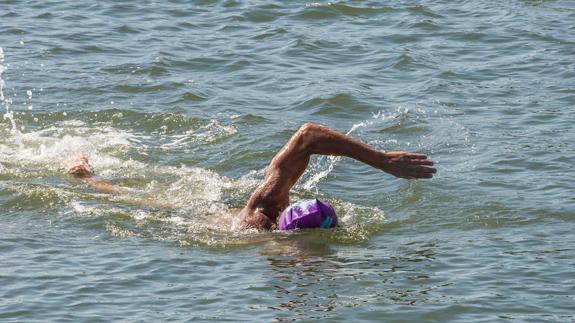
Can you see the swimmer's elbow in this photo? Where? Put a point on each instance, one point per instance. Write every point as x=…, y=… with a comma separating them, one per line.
x=307, y=136
x=309, y=128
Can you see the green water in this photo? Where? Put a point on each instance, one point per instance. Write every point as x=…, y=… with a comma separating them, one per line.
x=185, y=103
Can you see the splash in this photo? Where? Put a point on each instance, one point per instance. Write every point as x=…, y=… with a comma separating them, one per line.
x=209, y=133
x=2, y=69
x=9, y=114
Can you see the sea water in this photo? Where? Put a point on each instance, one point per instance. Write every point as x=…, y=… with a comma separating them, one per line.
x=184, y=103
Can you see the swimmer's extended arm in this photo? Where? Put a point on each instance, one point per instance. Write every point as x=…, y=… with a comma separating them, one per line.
x=269, y=199
x=79, y=167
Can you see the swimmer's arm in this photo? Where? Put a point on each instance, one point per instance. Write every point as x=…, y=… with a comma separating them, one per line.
x=102, y=185
x=291, y=161
x=311, y=139
x=316, y=139
x=78, y=167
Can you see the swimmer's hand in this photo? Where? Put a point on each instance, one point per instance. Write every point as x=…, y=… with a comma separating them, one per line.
x=405, y=165
x=254, y=220
x=78, y=166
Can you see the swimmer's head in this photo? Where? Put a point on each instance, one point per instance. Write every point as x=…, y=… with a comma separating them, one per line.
x=308, y=214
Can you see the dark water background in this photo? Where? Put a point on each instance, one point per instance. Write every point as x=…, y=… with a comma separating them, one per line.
x=185, y=103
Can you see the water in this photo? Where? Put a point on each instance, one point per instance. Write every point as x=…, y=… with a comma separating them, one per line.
x=184, y=104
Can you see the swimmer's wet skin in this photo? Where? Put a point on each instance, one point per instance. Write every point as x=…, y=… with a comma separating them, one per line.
x=267, y=202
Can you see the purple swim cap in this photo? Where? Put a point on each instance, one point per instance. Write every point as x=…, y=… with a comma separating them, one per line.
x=308, y=214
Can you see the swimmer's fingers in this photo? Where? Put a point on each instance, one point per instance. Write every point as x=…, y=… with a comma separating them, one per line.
x=424, y=172
x=422, y=162
x=415, y=156
x=417, y=172
x=256, y=220
x=408, y=165
x=418, y=176
x=425, y=175
x=420, y=166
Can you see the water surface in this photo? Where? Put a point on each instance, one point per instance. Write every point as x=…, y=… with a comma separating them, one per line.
x=185, y=103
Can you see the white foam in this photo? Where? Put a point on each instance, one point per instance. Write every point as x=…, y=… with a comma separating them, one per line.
x=50, y=145
x=208, y=133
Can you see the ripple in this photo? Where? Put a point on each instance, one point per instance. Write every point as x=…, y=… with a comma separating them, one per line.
x=10, y=14
x=179, y=13
x=336, y=104
x=201, y=63
x=152, y=69
x=407, y=62
x=361, y=11
x=423, y=11
x=270, y=33
x=45, y=15
x=145, y=88
x=76, y=17
x=125, y=29
x=58, y=50
x=15, y=31
x=427, y=25
x=190, y=96
x=259, y=15
x=317, y=12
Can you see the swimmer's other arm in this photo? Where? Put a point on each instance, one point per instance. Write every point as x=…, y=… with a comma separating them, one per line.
x=272, y=196
x=78, y=167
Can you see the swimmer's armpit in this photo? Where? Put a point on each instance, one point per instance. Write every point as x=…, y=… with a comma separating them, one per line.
x=79, y=167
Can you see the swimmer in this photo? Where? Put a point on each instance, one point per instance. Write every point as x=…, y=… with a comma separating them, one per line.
x=271, y=197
